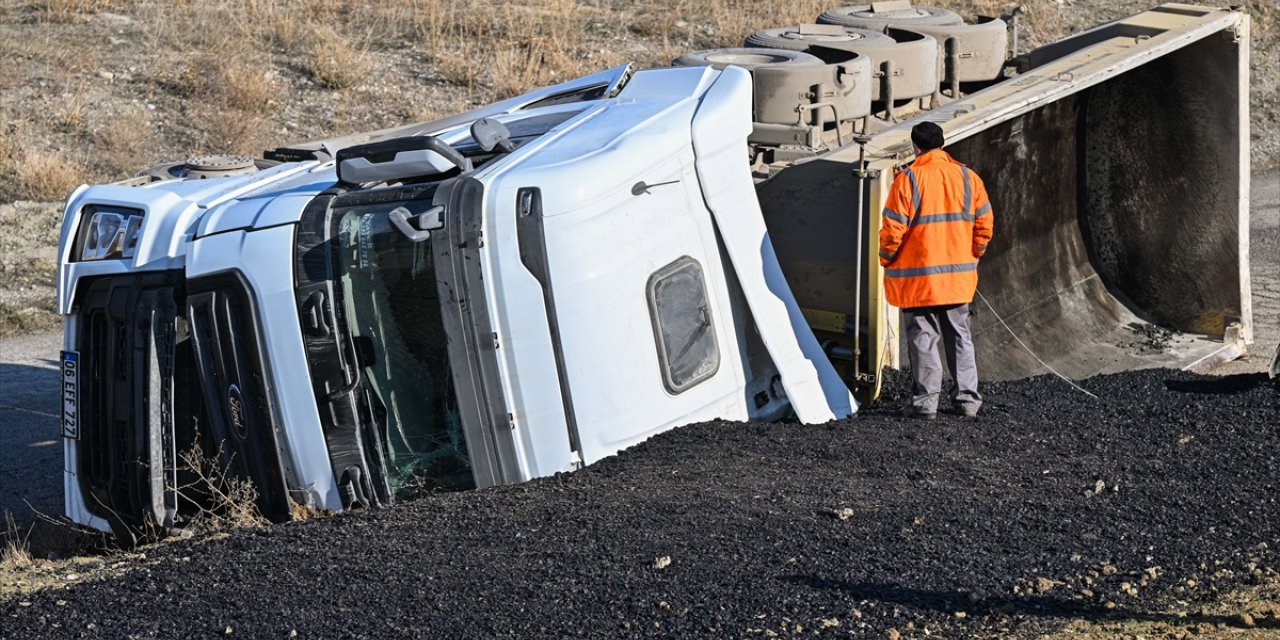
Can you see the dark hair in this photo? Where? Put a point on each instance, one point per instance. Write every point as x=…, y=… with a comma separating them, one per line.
x=927, y=136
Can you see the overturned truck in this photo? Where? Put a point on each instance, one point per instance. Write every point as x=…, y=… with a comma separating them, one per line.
x=526, y=288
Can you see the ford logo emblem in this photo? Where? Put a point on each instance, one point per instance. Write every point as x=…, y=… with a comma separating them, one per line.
x=236, y=412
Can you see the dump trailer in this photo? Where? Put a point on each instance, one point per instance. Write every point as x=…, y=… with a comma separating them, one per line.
x=1117, y=162
x=531, y=286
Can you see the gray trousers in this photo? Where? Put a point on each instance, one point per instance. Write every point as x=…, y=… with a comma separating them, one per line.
x=951, y=323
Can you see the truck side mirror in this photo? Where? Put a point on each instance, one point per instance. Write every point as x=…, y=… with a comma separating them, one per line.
x=490, y=134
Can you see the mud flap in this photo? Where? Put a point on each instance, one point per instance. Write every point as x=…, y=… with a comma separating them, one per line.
x=720, y=129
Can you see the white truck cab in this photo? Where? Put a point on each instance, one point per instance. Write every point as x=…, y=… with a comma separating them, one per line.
x=466, y=306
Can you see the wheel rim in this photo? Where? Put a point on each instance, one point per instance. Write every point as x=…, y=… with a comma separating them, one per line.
x=902, y=14
x=746, y=58
x=810, y=37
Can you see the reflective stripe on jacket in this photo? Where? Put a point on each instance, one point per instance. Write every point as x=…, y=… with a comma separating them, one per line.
x=937, y=223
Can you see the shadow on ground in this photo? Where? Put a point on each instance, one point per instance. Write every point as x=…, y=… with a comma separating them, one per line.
x=30, y=442
x=1226, y=385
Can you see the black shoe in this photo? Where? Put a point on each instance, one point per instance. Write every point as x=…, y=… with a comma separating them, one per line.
x=917, y=413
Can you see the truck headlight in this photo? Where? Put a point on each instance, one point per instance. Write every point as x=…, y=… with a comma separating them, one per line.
x=109, y=233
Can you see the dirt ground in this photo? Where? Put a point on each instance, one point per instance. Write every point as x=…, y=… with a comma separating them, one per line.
x=96, y=90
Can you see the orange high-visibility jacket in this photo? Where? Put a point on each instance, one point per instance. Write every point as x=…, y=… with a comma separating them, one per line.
x=937, y=223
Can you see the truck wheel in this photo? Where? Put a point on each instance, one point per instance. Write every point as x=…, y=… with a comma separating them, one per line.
x=863, y=17
x=799, y=38
x=981, y=48
x=745, y=58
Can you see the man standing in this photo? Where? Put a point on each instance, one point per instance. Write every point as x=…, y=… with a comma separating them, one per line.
x=937, y=223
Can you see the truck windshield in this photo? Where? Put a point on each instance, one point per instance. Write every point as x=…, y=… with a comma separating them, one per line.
x=392, y=309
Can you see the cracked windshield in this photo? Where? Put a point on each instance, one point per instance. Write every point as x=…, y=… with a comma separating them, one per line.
x=393, y=313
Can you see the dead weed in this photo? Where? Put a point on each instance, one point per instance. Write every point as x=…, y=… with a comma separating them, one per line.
x=70, y=10
x=239, y=83
x=45, y=177
x=333, y=62
x=15, y=552
x=221, y=499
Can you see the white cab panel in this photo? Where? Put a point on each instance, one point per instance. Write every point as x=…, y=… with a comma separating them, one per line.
x=265, y=259
x=720, y=129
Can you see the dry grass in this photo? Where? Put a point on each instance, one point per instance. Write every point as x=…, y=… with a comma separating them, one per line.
x=222, y=499
x=1248, y=613
x=124, y=139
x=46, y=177
x=333, y=62
x=70, y=10
x=500, y=47
x=68, y=111
x=269, y=72
x=226, y=131
x=10, y=148
x=237, y=82
x=15, y=552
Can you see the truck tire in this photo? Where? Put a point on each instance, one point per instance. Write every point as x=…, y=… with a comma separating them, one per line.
x=862, y=17
x=795, y=38
x=982, y=48
x=781, y=92
x=746, y=58
x=915, y=55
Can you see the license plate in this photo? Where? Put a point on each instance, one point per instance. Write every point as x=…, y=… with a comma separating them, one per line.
x=71, y=395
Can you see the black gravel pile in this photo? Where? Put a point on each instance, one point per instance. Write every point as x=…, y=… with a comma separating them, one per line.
x=1053, y=506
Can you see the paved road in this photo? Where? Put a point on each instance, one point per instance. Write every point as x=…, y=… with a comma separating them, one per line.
x=30, y=443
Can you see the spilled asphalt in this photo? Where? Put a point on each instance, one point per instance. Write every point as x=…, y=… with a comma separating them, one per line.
x=1156, y=496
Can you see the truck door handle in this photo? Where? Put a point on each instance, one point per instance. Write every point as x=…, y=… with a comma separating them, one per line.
x=314, y=318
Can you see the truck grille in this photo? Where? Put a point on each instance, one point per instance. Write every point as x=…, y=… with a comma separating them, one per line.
x=166, y=369
x=128, y=345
